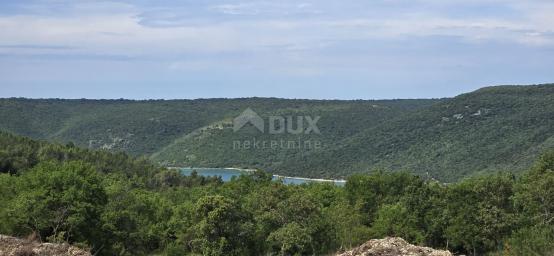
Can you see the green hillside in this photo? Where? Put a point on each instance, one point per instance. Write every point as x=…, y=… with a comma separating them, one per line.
x=114, y=204
x=495, y=128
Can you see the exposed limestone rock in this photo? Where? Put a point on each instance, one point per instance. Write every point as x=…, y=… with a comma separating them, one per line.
x=458, y=116
x=392, y=246
x=11, y=246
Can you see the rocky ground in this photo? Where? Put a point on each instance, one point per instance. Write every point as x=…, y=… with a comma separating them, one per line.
x=11, y=246
x=392, y=246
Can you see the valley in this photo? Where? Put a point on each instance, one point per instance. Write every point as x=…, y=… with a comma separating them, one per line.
x=494, y=128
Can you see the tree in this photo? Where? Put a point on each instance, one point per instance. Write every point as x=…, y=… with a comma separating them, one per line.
x=371, y=191
x=221, y=227
x=396, y=220
x=534, y=200
x=535, y=193
x=534, y=240
x=136, y=219
x=480, y=213
x=8, y=192
x=291, y=239
x=60, y=202
x=348, y=222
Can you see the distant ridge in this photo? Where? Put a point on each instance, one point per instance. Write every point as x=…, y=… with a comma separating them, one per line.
x=490, y=129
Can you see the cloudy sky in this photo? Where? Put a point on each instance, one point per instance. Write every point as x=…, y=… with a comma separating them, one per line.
x=347, y=49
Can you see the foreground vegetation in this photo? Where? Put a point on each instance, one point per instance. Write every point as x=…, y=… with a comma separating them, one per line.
x=118, y=205
x=491, y=129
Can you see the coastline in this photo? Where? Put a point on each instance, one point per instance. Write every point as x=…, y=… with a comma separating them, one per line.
x=308, y=179
x=238, y=169
x=276, y=176
x=210, y=168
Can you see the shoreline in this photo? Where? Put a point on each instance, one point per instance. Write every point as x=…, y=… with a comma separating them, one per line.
x=309, y=179
x=210, y=168
x=277, y=176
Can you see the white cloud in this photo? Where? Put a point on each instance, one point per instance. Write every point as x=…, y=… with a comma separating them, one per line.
x=268, y=8
x=272, y=39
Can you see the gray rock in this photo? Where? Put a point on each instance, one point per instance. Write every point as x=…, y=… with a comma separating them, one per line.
x=11, y=246
x=392, y=246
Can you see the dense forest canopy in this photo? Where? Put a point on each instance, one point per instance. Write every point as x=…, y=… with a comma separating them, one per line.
x=494, y=128
x=114, y=204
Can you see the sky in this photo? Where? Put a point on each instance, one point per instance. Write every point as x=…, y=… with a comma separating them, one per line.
x=320, y=49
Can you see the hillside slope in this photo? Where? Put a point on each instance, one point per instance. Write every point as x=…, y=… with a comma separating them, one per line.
x=215, y=145
x=158, y=127
x=495, y=128
x=503, y=127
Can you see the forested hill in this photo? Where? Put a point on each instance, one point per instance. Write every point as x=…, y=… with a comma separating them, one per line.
x=145, y=127
x=493, y=128
x=113, y=204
